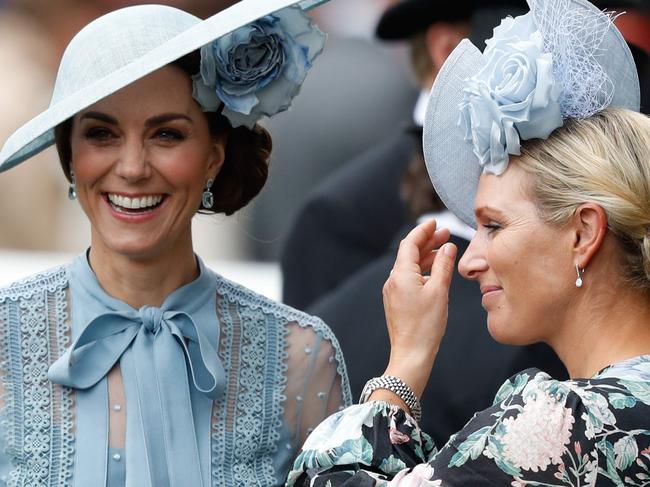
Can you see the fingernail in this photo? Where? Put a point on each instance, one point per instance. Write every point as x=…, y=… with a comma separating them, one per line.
x=448, y=250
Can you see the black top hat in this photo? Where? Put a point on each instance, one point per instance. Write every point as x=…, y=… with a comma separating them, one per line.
x=410, y=17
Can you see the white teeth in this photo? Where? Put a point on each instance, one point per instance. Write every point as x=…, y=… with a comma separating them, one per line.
x=134, y=203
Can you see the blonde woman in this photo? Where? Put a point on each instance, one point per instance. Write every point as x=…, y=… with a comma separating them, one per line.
x=555, y=176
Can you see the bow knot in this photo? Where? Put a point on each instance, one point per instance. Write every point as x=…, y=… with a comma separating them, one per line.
x=152, y=318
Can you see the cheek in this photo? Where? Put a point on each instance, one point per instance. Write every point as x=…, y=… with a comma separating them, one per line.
x=185, y=167
x=88, y=163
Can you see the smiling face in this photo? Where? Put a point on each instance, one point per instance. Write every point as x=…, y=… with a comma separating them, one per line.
x=141, y=159
x=523, y=265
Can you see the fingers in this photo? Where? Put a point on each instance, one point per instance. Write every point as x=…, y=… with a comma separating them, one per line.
x=442, y=269
x=428, y=254
x=411, y=246
x=418, y=247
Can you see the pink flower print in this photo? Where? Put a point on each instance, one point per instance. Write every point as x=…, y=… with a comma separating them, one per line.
x=420, y=476
x=397, y=437
x=538, y=436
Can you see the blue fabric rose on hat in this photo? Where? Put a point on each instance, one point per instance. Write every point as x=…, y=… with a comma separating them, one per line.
x=258, y=69
x=515, y=96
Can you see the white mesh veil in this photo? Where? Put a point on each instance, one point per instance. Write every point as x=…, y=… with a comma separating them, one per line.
x=575, y=36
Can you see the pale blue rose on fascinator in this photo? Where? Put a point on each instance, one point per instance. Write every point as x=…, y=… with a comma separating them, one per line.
x=514, y=95
x=258, y=69
x=564, y=59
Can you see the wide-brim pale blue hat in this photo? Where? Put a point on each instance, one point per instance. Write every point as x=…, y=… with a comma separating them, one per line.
x=564, y=59
x=121, y=47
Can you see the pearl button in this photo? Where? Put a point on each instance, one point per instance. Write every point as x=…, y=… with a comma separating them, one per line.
x=308, y=350
x=332, y=359
x=321, y=395
x=117, y=457
x=299, y=398
x=117, y=407
x=288, y=446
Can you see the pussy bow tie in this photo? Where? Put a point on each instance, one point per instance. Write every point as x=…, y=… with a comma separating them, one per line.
x=160, y=343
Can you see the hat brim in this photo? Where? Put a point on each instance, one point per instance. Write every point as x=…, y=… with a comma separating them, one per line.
x=452, y=165
x=38, y=134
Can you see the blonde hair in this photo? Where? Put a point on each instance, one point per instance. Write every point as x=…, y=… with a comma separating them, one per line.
x=604, y=159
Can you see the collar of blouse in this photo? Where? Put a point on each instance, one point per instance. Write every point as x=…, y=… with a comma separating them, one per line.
x=164, y=349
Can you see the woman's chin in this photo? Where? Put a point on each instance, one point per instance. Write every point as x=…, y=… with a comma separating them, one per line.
x=504, y=334
x=499, y=331
x=136, y=248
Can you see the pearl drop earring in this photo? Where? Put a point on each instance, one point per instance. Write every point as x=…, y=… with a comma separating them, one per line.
x=579, y=273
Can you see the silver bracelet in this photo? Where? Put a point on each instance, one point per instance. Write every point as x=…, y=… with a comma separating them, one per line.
x=398, y=387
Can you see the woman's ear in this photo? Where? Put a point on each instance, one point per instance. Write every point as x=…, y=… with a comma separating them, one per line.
x=217, y=155
x=441, y=39
x=590, y=226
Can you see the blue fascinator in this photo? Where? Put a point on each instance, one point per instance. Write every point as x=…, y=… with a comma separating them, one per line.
x=563, y=59
x=254, y=57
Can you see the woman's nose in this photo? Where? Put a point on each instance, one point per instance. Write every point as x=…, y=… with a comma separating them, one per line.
x=473, y=261
x=132, y=164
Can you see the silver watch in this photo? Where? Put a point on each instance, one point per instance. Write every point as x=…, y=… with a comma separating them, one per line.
x=398, y=387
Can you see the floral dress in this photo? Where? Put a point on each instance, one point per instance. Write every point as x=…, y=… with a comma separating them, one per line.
x=538, y=432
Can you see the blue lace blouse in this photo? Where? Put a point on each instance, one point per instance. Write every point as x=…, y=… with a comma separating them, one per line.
x=222, y=385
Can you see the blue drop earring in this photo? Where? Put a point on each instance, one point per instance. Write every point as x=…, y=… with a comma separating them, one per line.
x=208, y=197
x=72, y=190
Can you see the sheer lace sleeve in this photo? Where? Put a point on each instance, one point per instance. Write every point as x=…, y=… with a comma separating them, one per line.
x=314, y=387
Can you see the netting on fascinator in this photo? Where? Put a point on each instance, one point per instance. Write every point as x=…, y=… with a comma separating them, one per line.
x=574, y=35
x=538, y=70
x=564, y=59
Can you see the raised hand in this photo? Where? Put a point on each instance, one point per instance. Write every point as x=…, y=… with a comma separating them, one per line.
x=416, y=304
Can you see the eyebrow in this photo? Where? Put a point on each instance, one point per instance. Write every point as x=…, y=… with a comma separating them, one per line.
x=153, y=121
x=479, y=211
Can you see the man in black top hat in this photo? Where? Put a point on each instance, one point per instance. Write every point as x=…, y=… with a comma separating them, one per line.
x=342, y=245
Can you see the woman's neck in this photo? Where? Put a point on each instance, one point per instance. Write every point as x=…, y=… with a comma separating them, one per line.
x=606, y=327
x=143, y=280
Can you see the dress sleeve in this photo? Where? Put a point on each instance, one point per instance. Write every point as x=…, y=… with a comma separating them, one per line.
x=538, y=432
x=315, y=386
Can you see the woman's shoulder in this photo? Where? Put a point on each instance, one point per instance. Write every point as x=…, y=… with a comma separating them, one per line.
x=538, y=425
x=50, y=280
x=245, y=297
x=629, y=377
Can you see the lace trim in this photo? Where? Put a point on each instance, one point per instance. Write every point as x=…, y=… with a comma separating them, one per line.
x=251, y=348
x=246, y=297
x=254, y=348
x=50, y=280
x=37, y=414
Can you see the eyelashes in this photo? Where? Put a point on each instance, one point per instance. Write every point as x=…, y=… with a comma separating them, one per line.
x=102, y=134
x=98, y=133
x=169, y=134
x=492, y=227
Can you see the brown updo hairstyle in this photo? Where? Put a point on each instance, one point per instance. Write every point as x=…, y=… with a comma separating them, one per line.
x=247, y=153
